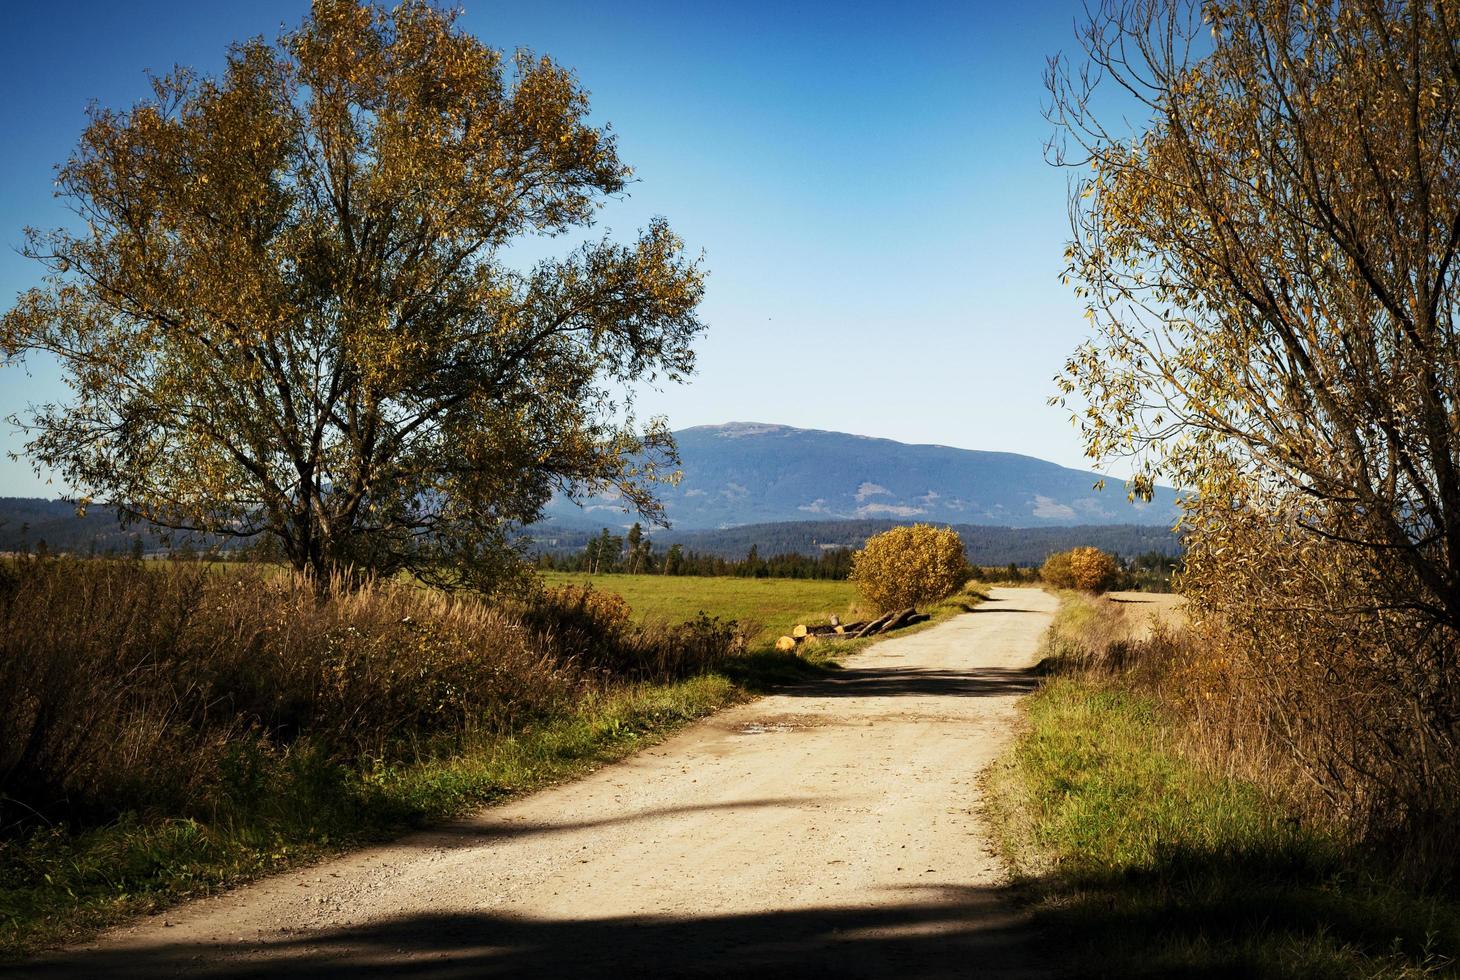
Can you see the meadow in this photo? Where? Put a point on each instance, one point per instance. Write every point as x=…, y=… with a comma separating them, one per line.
x=771, y=604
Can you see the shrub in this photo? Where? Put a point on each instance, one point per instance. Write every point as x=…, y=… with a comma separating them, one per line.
x=1086, y=569
x=1057, y=571
x=594, y=630
x=1358, y=692
x=910, y=565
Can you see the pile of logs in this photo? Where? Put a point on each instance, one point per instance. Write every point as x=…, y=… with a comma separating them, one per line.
x=836, y=629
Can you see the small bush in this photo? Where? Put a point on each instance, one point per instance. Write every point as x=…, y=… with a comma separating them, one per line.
x=1086, y=569
x=907, y=566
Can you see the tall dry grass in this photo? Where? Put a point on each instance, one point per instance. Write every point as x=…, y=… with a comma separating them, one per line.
x=175, y=689
x=1186, y=669
x=1340, y=717
x=1345, y=658
x=1162, y=827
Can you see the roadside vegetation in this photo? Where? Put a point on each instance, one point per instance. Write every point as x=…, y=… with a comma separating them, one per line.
x=169, y=732
x=1157, y=840
x=174, y=728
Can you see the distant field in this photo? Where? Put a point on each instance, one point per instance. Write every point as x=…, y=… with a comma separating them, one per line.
x=776, y=604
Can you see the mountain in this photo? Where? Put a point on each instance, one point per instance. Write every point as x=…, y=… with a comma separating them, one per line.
x=28, y=522
x=836, y=487
x=753, y=473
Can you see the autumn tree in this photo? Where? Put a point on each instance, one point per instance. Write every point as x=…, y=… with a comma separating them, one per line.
x=1269, y=260
x=287, y=309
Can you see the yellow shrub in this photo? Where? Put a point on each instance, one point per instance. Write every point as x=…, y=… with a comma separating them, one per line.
x=1086, y=569
x=909, y=565
x=1056, y=571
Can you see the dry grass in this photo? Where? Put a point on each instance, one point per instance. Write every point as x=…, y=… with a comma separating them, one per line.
x=121, y=691
x=1159, y=834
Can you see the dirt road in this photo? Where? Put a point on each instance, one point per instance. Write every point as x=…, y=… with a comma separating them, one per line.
x=823, y=831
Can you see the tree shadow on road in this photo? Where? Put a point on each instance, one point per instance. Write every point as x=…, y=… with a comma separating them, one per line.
x=484, y=827
x=893, y=681
x=930, y=932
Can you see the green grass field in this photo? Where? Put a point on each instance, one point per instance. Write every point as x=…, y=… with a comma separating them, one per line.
x=776, y=604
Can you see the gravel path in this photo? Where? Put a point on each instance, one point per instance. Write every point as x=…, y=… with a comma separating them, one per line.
x=823, y=831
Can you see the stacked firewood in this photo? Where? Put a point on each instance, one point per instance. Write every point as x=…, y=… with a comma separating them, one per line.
x=834, y=628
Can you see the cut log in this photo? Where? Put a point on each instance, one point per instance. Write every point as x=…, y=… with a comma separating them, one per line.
x=919, y=618
x=799, y=630
x=898, y=621
x=785, y=644
x=839, y=629
x=820, y=629
x=871, y=628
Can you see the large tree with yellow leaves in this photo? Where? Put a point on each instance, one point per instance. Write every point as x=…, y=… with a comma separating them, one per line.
x=1271, y=258
x=1267, y=234
x=287, y=309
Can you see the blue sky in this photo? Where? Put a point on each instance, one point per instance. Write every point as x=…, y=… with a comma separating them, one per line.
x=866, y=181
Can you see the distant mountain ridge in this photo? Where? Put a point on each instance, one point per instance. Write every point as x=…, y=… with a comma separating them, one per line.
x=755, y=473
x=832, y=485
x=27, y=523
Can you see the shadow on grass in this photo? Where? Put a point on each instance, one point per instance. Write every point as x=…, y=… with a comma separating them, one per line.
x=919, y=932
x=1260, y=915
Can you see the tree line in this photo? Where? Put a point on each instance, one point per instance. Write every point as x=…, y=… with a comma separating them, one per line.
x=634, y=553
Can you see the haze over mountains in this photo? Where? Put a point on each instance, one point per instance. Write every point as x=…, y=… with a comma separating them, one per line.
x=752, y=473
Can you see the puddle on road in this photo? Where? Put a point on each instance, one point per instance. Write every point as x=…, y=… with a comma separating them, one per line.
x=766, y=728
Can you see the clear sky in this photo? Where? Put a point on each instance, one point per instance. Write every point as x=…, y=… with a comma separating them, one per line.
x=866, y=181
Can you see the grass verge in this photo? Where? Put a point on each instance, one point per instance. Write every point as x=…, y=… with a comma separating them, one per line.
x=60, y=887
x=1146, y=863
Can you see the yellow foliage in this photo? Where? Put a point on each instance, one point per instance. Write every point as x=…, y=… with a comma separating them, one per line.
x=1086, y=569
x=290, y=313
x=909, y=565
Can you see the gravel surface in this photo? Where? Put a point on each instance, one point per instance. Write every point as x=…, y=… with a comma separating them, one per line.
x=828, y=830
